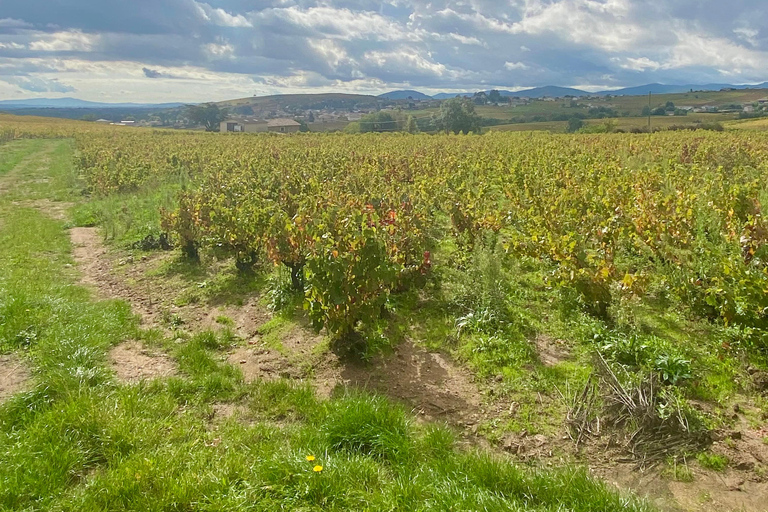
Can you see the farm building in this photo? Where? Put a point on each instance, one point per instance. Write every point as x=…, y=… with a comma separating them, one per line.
x=243, y=126
x=283, y=126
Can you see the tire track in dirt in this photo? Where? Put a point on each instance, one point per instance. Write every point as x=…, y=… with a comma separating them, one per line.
x=91, y=257
x=15, y=375
x=11, y=178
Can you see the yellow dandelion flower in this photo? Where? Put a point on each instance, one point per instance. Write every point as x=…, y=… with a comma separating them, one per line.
x=310, y=458
x=317, y=469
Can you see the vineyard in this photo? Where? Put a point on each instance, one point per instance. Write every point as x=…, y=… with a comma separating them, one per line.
x=596, y=293
x=673, y=217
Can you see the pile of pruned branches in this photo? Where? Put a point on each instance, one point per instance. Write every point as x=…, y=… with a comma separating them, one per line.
x=649, y=420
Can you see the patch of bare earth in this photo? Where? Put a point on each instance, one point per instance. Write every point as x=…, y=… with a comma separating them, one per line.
x=14, y=376
x=244, y=321
x=742, y=486
x=92, y=259
x=258, y=362
x=551, y=351
x=428, y=382
x=132, y=363
x=56, y=210
x=154, y=297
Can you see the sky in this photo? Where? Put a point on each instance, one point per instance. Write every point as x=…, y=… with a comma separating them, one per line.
x=196, y=51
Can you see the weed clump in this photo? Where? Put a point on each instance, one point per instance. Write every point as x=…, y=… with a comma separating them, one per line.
x=368, y=425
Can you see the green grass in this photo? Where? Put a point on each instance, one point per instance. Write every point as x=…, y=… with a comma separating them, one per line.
x=712, y=461
x=79, y=440
x=129, y=218
x=678, y=471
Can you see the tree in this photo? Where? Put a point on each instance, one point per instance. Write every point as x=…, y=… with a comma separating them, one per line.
x=208, y=115
x=575, y=124
x=310, y=117
x=244, y=110
x=646, y=111
x=410, y=125
x=480, y=98
x=458, y=115
x=353, y=127
x=380, y=122
x=495, y=97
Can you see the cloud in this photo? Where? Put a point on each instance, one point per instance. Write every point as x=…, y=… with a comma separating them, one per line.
x=151, y=73
x=36, y=84
x=231, y=48
x=638, y=64
x=221, y=17
x=512, y=66
x=12, y=23
x=70, y=41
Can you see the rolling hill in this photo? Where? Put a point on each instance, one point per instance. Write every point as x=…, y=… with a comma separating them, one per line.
x=76, y=103
x=404, y=95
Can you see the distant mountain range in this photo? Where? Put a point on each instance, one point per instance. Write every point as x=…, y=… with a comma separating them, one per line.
x=75, y=103
x=339, y=100
x=558, y=92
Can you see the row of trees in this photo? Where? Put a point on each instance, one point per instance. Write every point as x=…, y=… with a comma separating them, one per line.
x=457, y=115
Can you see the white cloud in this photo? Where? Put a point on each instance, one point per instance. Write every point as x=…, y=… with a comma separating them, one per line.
x=464, y=39
x=747, y=34
x=331, y=52
x=730, y=58
x=219, y=50
x=512, y=66
x=221, y=17
x=605, y=24
x=343, y=24
x=13, y=23
x=71, y=41
x=405, y=59
x=38, y=84
x=637, y=64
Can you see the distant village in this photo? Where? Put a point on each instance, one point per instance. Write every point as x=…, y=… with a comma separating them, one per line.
x=336, y=114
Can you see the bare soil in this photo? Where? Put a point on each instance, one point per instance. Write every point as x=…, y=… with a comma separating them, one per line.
x=551, y=351
x=96, y=266
x=132, y=363
x=428, y=382
x=56, y=210
x=14, y=376
x=727, y=491
x=262, y=363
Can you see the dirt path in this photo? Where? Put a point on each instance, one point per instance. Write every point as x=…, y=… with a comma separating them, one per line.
x=15, y=375
x=42, y=161
x=95, y=265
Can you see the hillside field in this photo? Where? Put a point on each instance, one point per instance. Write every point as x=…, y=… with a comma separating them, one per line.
x=507, y=321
